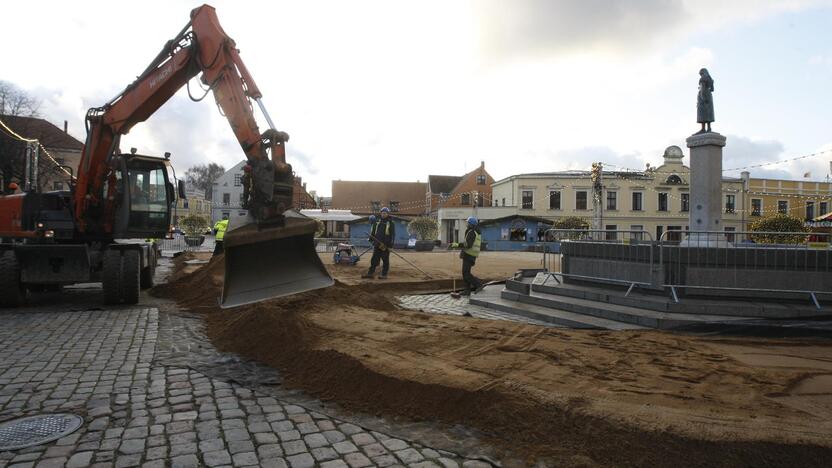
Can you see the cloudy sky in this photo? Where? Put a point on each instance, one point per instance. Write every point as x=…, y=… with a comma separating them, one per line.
x=394, y=90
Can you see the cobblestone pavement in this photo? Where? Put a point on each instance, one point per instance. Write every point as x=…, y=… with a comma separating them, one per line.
x=145, y=405
x=445, y=304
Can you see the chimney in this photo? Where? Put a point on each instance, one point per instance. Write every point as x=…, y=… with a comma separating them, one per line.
x=482, y=164
x=66, y=126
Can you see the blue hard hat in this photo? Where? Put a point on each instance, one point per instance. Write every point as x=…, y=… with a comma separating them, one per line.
x=372, y=218
x=385, y=210
x=472, y=220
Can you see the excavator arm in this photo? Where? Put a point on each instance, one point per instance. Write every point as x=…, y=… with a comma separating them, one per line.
x=270, y=258
x=201, y=47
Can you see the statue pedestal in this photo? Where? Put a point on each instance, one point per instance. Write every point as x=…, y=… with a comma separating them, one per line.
x=706, y=188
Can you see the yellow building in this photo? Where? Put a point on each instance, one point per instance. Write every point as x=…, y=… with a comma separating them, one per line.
x=194, y=204
x=805, y=200
x=655, y=200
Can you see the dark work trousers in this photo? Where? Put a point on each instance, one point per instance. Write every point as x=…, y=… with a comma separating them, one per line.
x=218, y=247
x=471, y=281
x=384, y=257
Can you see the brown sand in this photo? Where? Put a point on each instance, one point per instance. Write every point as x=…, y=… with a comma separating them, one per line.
x=578, y=398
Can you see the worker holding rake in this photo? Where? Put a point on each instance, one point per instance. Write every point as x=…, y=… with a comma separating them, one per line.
x=470, y=252
x=382, y=235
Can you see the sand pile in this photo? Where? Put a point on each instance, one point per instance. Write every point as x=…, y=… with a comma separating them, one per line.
x=574, y=397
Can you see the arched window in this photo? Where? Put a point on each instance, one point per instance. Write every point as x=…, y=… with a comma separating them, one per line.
x=674, y=179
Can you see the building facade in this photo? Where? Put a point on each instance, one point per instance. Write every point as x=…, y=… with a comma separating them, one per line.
x=471, y=189
x=805, y=200
x=650, y=202
x=60, y=145
x=194, y=204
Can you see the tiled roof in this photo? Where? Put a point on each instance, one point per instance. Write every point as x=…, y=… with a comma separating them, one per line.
x=49, y=135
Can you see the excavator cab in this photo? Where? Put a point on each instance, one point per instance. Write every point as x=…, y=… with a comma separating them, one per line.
x=144, y=196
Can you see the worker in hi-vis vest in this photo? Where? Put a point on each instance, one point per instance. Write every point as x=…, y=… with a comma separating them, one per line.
x=470, y=252
x=219, y=235
x=382, y=236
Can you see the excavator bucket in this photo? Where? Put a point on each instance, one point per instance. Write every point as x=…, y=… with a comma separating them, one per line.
x=263, y=263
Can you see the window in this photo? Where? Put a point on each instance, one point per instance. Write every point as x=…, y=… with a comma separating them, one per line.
x=730, y=203
x=756, y=206
x=730, y=237
x=528, y=199
x=185, y=204
x=824, y=208
x=611, y=232
x=659, y=231
x=554, y=199
x=580, y=200
x=637, y=196
x=612, y=200
x=685, y=202
x=810, y=210
x=783, y=206
x=226, y=199
x=673, y=180
x=339, y=226
x=466, y=199
x=504, y=202
x=57, y=185
x=394, y=206
x=242, y=199
x=674, y=233
x=225, y=214
x=636, y=234
x=238, y=181
x=480, y=180
x=662, y=201
x=148, y=197
x=375, y=205
x=480, y=199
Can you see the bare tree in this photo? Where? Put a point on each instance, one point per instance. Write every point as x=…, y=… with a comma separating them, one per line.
x=15, y=101
x=202, y=176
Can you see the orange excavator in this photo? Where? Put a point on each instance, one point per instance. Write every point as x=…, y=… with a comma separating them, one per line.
x=91, y=232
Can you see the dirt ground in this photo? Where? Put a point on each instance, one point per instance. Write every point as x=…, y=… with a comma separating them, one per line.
x=566, y=397
x=439, y=264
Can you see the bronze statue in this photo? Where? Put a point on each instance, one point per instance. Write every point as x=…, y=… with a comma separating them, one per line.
x=705, y=101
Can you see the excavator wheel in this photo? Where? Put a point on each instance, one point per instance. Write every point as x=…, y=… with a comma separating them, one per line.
x=12, y=291
x=120, y=276
x=146, y=279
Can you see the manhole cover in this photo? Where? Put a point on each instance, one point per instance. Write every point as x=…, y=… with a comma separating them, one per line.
x=37, y=430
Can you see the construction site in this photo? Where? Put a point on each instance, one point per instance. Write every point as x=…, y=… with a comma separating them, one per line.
x=589, y=308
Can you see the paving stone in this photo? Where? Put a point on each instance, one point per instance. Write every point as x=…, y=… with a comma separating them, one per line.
x=135, y=433
x=293, y=447
x=185, y=461
x=80, y=459
x=374, y=450
x=334, y=436
x=409, y=455
x=132, y=446
x=335, y=464
x=357, y=460
x=270, y=451
x=154, y=464
x=302, y=460
x=129, y=460
x=475, y=464
x=324, y=453
x=217, y=458
x=156, y=453
x=274, y=463
x=245, y=459
x=394, y=444
x=344, y=447
x=236, y=434
x=448, y=463
x=259, y=427
x=237, y=446
x=315, y=440
x=283, y=426
x=385, y=460
x=182, y=449
x=363, y=438
x=430, y=453
x=265, y=438
x=212, y=445
x=288, y=435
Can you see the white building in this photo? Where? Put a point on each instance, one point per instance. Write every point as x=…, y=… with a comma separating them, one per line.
x=227, y=196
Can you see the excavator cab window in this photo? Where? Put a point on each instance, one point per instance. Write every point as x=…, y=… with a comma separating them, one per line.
x=146, y=198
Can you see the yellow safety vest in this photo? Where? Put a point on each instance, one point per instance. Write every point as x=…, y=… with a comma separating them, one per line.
x=221, y=226
x=474, y=251
x=386, y=228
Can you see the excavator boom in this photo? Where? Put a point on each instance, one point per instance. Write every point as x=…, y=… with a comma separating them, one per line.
x=269, y=258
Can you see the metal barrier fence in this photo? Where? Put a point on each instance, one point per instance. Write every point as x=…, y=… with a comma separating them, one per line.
x=601, y=246
x=771, y=263
x=179, y=244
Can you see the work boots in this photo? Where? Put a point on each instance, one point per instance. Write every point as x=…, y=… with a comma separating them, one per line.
x=368, y=275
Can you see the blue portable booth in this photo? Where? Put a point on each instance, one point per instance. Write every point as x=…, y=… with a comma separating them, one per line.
x=517, y=233
x=360, y=231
